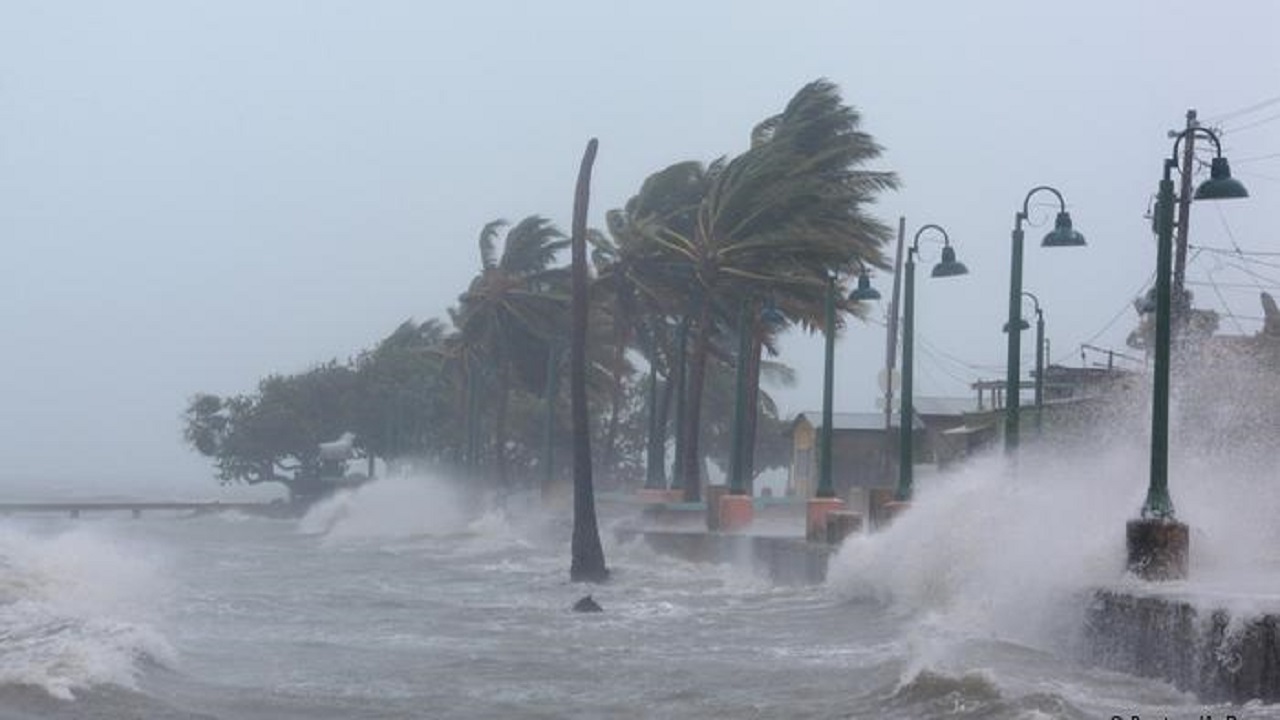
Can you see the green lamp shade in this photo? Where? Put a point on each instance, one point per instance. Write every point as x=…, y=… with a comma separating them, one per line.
x=771, y=316
x=1220, y=185
x=1063, y=235
x=949, y=267
x=864, y=291
x=1022, y=325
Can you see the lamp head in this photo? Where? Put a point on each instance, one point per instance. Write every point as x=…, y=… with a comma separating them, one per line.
x=1220, y=185
x=1063, y=235
x=949, y=266
x=771, y=316
x=864, y=291
x=1022, y=325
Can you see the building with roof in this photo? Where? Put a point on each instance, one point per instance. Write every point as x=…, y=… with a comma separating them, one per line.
x=865, y=456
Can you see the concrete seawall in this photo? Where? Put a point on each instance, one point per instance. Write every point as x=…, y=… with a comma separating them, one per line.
x=1192, y=643
x=1210, y=652
x=783, y=560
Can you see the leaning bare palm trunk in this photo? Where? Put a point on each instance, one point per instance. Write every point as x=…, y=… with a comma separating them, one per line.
x=588, y=556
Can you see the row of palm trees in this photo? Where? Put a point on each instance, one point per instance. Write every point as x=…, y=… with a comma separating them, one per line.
x=681, y=270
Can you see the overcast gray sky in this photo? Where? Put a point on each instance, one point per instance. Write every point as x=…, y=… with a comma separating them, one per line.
x=196, y=194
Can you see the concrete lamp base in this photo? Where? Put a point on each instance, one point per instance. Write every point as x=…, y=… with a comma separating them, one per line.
x=815, y=527
x=841, y=524
x=736, y=512
x=1158, y=549
x=891, y=510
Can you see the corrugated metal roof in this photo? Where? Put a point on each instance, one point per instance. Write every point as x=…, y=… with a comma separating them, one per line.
x=934, y=406
x=952, y=406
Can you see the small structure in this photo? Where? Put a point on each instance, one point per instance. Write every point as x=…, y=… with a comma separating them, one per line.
x=328, y=473
x=1075, y=398
x=863, y=456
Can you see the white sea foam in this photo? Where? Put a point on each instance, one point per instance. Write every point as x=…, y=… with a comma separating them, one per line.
x=76, y=610
x=396, y=506
x=996, y=553
x=993, y=550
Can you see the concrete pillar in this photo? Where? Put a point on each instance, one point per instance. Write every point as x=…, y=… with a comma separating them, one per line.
x=891, y=510
x=1158, y=549
x=712, y=494
x=841, y=524
x=736, y=512
x=815, y=526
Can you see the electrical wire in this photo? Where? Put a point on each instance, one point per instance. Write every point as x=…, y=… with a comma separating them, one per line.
x=1225, y=306
x=1255, y=158
x=1234, y=285
x=1260, y=105
x=1228, y=251
x=1257, y=123
x=1260, y=176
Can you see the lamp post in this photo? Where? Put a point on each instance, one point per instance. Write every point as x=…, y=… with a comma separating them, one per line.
x=824, y=497
x=947, y=267
x=1157, y=542
x=736, y=506
x=1062, y=235
x=1040, y=353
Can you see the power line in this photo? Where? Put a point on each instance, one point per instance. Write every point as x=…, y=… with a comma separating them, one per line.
x=1225, y=307
x=1228, y=251
x=1119, y=313
x=1255, y=158
x=1261, y=176
x=1260, y=105
x=1264, y=121
x=1234, y=285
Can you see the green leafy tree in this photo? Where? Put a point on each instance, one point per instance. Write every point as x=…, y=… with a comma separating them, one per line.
x=274, y=435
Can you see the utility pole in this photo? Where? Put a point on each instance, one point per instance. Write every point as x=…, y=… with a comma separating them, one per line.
x=1181, y=304
x=891, y=348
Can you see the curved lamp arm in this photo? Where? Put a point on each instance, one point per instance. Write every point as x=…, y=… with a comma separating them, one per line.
x=1026, y=202
x=1201, y=131
x=1034, y=299
x=915, y=242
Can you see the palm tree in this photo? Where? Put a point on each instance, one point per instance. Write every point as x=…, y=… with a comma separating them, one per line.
x=775, y=222
x=403, y=406
x=587, y=554
x=508, y=314
x=628, y=260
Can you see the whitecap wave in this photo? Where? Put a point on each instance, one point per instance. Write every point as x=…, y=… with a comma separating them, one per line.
x=75, y=610
x=397, y=506
x=1015, y=552
x=987, y=552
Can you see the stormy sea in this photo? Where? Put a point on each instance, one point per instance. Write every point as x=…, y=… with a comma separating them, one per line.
x=399, y=600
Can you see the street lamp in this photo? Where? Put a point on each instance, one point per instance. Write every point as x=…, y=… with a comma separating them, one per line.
x=1062, y=235
x=947, y=267
x=824, y=498
x=1040, y=351
x=1157, y=542
x=864, y=292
